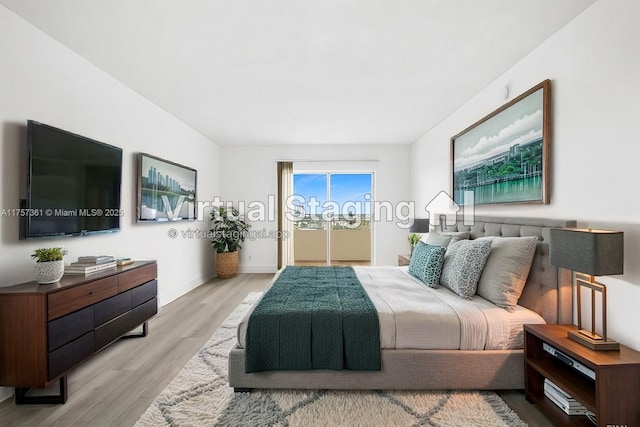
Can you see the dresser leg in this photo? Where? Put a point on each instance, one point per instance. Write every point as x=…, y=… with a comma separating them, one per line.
x=22, y=397
x=143, y=333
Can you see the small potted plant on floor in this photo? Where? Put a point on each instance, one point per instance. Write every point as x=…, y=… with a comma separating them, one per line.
x=49, y=266
x=228, y=231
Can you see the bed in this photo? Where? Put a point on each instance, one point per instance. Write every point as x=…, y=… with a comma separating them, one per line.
x=547, y=294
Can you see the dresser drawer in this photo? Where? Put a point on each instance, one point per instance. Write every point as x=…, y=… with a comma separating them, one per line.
x=67, y=328
x=72, y=299
x=112, y=308
x=112, y=330
x=69, y=355
x=144, y=312
x=131, y=279
x=144, y=293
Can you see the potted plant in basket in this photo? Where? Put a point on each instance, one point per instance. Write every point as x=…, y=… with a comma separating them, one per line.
x=228, y=231
x=49, y=266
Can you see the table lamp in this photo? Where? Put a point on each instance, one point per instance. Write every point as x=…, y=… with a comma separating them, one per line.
x=589, y=253
x=420, y=225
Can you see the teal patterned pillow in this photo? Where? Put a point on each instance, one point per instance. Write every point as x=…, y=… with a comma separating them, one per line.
x=426, y=263
x=463, y=266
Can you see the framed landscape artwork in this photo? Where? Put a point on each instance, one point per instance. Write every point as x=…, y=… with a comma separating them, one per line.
x=166, y=190
x=504, y=157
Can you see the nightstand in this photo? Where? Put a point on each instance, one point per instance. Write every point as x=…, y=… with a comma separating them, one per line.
x=403, y=259
x=610, y=392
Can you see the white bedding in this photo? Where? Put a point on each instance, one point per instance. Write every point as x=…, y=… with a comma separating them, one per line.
x=415, y=316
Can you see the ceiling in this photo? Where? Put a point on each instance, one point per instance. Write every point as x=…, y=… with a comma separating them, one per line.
x=251, y=72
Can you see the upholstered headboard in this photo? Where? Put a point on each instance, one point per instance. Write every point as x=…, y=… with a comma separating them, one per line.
x=548, y=290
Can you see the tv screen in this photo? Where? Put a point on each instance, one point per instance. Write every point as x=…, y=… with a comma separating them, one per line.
x=73, y=184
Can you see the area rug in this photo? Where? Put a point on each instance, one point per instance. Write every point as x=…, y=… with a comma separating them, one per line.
x=200, y=396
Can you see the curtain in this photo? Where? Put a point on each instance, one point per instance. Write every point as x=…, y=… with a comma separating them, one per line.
x=285, y=226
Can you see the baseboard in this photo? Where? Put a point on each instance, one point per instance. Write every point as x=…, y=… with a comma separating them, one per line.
x=5, y=393
x=166, y=297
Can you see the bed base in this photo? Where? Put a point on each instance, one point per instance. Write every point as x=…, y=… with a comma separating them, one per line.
x=401, y=370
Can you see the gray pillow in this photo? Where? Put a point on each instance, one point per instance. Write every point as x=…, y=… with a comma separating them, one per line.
x=463, y=264
x=444, y=239
x=426, y=263
x=506, y=271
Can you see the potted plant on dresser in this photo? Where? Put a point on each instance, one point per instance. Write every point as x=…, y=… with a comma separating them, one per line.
x=228, y=232
x=49, y=266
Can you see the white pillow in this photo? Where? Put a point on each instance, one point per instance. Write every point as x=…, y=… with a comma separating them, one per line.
x=506, y=270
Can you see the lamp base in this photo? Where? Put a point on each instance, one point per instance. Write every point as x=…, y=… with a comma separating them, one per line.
x=593, y=344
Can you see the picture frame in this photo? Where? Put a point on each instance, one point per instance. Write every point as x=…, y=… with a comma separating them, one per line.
x=504, y=157
x=167, y=191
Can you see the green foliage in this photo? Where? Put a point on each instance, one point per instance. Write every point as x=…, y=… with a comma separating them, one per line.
x=228, y=229
x=413, y=239
x=48, y=254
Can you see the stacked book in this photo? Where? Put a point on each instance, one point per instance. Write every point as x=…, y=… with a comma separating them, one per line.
x=90, y=264
x=568, y=404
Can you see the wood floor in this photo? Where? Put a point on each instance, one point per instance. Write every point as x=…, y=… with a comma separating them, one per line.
x=117, y=385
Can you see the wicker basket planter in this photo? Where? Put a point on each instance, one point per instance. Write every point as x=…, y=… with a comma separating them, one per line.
x=228, y=230
x=226, y=264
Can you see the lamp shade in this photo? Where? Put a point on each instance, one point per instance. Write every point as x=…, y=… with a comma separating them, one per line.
x=420, y=225
x=587, y=251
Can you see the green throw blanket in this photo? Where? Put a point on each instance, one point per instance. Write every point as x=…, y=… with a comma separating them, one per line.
x=314, y=318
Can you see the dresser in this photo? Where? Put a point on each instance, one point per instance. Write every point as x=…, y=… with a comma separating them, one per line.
x=48, y=330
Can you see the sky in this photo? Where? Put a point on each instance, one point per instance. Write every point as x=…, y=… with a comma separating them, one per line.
x=518, y=124
x=353, y=189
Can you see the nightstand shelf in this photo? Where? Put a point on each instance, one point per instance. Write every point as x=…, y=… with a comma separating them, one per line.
x=612, y=396
x=404, y=259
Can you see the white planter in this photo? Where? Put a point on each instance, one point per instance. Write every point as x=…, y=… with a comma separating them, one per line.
x=49, y=272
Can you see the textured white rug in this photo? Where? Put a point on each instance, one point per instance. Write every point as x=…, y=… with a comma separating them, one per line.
x=201, y=396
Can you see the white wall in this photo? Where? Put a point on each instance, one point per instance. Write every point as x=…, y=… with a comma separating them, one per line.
x=42, y=80
x=594, y=65
x=249, y=174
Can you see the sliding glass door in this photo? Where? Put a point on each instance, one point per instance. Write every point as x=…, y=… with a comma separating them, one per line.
x=336, y=226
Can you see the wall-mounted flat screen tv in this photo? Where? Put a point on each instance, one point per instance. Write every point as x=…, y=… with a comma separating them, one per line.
x=73, y=184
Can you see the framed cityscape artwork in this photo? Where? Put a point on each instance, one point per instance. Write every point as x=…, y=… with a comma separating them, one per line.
x=504, y=157
x=166, y=190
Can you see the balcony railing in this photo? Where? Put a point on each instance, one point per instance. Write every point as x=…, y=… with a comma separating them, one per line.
x=348, y=246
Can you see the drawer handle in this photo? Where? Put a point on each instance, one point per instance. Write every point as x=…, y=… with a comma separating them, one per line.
x=90, y=292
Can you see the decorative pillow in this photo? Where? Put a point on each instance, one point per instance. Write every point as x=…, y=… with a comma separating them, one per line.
x=444, y=239
x=426, y=263
x=463, y=264
x=506, y=271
